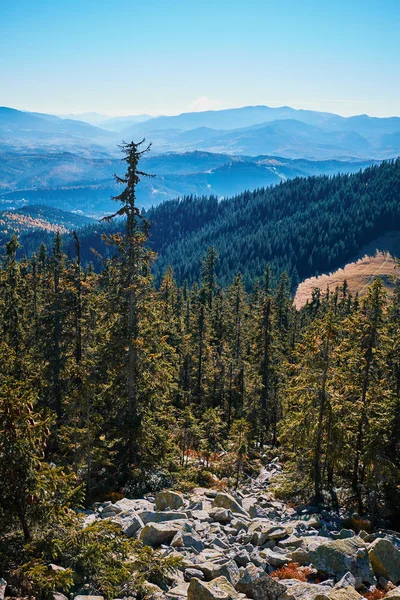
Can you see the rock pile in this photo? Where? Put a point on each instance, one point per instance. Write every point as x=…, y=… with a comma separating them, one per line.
x=230, y=545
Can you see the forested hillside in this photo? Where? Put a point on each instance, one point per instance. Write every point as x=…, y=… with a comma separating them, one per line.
x=304, y=226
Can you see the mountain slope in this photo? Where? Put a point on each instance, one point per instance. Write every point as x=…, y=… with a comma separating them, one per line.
x=39, y=218
x=19, y=129
x=304, y=226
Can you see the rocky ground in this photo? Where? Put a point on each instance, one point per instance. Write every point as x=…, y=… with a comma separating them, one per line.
x=230, y=545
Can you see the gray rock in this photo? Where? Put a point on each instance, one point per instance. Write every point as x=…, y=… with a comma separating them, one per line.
x=299, y=590
x=179, y=592
x=255, y=583
x=218, y=589
x=385, y=560
x=149, y=516
x=337, y=557
x=348, y=579
x=346, y=533
x=134, y=504
x=274, y=558
x=291, y=542
x=110, y=511
x=190, y=573
x=168, y=499
x=223, y=500
x=187, y=540
x=155, y=534
x=227, y=569
x=242, y=558
x=79, y=597
x=129, y=522
x=221, y=515
x=56, y=596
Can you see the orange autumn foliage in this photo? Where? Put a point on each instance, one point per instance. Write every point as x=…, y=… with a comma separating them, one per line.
x=375, y=594
x=294, y=571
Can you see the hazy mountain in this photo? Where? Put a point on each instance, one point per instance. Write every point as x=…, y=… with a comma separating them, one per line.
x=21, y=130
x=235, y=118
x=93, y=118
x=342, y=139
x=238, y=118
x=107, y=121
x=249, y=130
x=72, y=182
x=122, y=123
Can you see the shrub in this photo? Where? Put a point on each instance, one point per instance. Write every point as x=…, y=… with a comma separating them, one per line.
x=375, y=594
x=293, y=571
x=39, y=580
x=114, y=497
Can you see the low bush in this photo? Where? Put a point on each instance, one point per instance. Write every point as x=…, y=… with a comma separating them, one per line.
x=293, y=571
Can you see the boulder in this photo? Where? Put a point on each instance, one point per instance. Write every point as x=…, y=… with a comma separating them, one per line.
x=81, y=597
x=200, y=515
x=179, y=592
x=151, y=516
x=262, y=531
x=227, y=569
x=242, y=558
x=134, y=504
x=299, y=590
x=190, y=573
x=218, y=589
x=110, y=511
x=347, y=580
x=337, y=557
x=310, y=521
x=291, y=542
x=274, y=558
x=168, y=499
x=129, y=522
x=155, y=534
x=57, y=596
x=385, y=560
x=393, y=594
x=221, y=515
x=153, y=592
x=255, y=583
x=344, y=593
x=187, y=540
x=223, y=500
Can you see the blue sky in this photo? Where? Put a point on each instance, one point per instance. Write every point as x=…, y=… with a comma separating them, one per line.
x=169, y=56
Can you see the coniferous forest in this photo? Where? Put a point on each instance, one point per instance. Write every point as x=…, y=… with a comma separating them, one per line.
x=304, y=227
x=113, y=378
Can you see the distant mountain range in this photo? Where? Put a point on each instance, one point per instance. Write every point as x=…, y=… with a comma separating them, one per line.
x=251, y=130
x=73, y=182
x=69, y=163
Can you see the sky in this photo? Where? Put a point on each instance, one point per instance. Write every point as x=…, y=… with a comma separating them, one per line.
x=124, y=57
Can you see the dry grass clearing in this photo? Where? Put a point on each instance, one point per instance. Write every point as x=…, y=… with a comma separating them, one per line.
x=377, y=259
